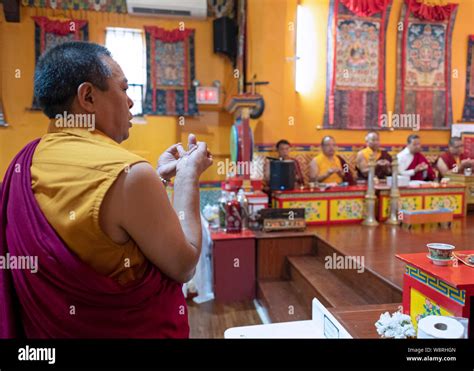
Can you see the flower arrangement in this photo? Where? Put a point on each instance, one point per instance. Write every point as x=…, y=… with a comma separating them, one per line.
x=395, y=326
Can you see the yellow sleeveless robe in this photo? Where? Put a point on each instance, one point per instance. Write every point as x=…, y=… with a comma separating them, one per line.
x=324, y=164
x=71, y=171
x=367, y=151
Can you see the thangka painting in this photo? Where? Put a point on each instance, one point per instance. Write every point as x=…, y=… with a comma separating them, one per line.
x=170, y=72
x=49, y=33
x=468, y=112
x=424, y=63
x=117, y=6
x=355, y=90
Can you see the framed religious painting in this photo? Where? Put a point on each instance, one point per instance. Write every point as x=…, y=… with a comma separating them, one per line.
x=424, y=63
x=355, y=90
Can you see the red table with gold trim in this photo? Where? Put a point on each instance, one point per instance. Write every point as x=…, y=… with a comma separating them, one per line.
x=440, y=290
x=334, y=205
x=451, y=196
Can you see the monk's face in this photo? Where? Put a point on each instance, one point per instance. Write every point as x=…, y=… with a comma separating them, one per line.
x=329, y=147
x=373, y=142
x=112, y=113
x=284, y=151
x=457, y=148
x=414, y=146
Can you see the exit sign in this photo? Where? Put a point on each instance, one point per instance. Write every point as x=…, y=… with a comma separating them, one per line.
x=207, y=95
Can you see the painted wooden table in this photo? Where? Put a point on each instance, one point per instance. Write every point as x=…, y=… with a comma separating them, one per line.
x=429, y=289
x=451, y=196
x=468, y=181
x=336, y=205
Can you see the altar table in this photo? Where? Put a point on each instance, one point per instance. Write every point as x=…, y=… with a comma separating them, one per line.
x=334, y=205
x=468, y=181
x=425, y=197
x=429, y=289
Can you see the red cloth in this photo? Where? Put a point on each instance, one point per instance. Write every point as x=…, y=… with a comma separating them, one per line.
x=65, y=298
x=57, y=27
x=169, y=36
x=381, y=172
x=449, y=159
x=348, y=177
x=431, y=13
x=365, y=8
x=428, y=174
x=298, y=173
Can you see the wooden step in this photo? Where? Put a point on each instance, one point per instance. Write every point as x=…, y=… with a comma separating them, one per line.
x=369, y=284
x=311, y=279
x=281, y=301
x=359, y=321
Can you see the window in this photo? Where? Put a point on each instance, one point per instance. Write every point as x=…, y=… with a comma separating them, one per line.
x=127, y=46
x=306, y=47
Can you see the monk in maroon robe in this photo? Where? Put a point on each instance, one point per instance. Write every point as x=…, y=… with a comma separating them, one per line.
x=383, y=159
x=412, y=163
x=453, y=161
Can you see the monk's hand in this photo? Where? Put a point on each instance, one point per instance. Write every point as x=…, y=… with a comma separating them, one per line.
x=167, y=162
x=421, y=167
x=195, y=161
x=169, y=159
x=467, y=162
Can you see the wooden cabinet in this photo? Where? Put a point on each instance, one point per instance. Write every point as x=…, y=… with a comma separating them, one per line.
x=234, y=268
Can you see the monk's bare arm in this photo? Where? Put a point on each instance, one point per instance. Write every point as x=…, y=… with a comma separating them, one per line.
x=313, y=171
x=186, y=205
x=362, y=164
x=141, y=208
x=442, y=167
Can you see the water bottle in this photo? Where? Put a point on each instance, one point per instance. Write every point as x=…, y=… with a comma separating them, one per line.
x=233, y=215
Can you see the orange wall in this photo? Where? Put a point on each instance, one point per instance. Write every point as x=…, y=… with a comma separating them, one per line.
x=149, y=140
x=271, y=44
x=271, y=41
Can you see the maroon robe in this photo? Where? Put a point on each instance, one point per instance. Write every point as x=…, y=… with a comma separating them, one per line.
x=348, y=178
x=428, y=174
x=298, y=173
x=381, y=172
x=449, y=159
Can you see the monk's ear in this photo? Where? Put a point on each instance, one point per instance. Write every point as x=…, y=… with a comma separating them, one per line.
x=86, y=97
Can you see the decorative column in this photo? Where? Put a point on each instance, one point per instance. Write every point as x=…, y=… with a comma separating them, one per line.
x=394, y=195
x=370, y=196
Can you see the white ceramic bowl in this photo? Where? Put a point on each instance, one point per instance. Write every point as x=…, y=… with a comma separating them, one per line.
x=440, y=250
x=440, y=262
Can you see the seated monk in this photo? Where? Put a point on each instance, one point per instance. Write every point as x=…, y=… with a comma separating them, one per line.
x=412, y=163
x=112, y=252
x=283, y=148
x=453, y=161
x=328, y=167
x=382, y=158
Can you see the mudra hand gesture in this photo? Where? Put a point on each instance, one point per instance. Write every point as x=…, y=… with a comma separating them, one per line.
x=168, y=161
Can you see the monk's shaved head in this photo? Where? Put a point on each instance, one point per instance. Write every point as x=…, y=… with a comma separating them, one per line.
x=371, y=135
